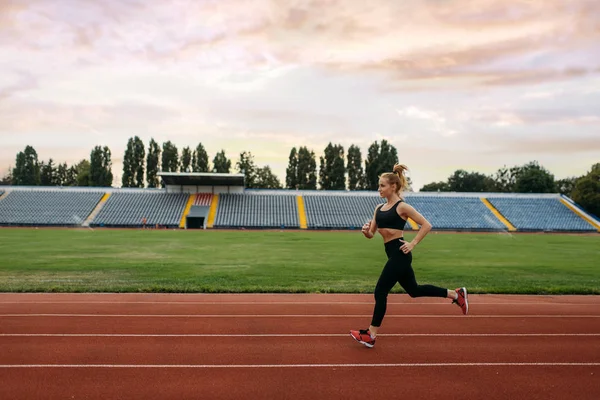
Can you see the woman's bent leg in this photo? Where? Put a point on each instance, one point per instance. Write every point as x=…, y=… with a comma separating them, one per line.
x=409, y=283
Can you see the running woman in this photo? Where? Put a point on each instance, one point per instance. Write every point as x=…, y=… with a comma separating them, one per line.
x=389, y=219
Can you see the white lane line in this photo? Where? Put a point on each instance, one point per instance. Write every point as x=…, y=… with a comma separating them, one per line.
x=361, y=365
x=218, y=335
x=294, y=316
x=289, y=303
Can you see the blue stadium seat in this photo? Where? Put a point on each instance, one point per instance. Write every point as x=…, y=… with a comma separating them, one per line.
x=238, y=210
x=455, y=213
x=339, y=212
x=539, y=214
x=124, y=209
x=47, y=207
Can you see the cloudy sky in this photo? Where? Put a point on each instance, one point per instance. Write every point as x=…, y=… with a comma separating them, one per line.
x=450, y=83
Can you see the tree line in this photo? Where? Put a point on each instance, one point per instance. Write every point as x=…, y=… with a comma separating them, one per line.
x=141, y=166
x=338, y=170
x=527, y=178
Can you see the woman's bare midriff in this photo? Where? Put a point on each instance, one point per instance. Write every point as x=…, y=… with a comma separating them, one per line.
x=390, y=234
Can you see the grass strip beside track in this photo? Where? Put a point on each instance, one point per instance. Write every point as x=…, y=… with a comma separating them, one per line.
x=80, y=260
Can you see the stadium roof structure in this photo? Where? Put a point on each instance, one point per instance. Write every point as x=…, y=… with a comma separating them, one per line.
x=201, y=179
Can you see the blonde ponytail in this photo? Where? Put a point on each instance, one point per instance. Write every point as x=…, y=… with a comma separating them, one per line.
x=397, y=177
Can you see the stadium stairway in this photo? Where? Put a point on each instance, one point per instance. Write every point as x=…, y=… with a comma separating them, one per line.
x=413, y=224
x=498, y=215
x=301, y=212
x=212, y=213
x=198, y=199
x=186, y=210
x=96, y=210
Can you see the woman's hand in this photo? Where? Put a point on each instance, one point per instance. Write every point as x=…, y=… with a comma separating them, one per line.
x=366, y=230
x=406, y=247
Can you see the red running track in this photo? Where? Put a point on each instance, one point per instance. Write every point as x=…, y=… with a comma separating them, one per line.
x=173, y=346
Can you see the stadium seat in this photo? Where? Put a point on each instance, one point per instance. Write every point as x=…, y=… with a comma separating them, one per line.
x=256, y=211
x=47, y=207
x=339, y=211
x=539, y=214
x=127, y=209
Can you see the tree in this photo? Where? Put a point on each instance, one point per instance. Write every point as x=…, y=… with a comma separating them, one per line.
x=83, y=173
x=338, y=171
x=186, y=160
x=8, y=178
x=67, y=176
x=587, y=191
x=48, y=174
x=152, y=164
x=463, y=181
x=139, y=154
x=247, y=167
x=291, y=172
x=170, y=157
x=332, y=173
x=380, y=159
x=221, y=163
x=19, y=170
x=505, y=179
x=436, y=187
x=307, y=169
x=388, y=157
x=27, y=168
x=356, y=177
x=409, y=185
x=127, y=180
x=266, y=179
x=200, y=159
x=372, y=166
x=533, y=178
x=60, y=174
x=100, y=167
x=565, y=186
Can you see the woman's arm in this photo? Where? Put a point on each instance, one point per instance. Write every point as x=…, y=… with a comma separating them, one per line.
x=408, y=211
x=370, y=227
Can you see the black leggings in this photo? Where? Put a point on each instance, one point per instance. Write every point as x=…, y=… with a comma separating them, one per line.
x=398, y=269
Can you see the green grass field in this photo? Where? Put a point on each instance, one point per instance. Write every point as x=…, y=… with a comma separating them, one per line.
x=62, y=260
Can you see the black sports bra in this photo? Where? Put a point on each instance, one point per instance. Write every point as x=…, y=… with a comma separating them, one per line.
x=389, y=218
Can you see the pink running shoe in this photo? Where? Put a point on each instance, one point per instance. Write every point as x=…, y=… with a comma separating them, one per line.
x=462, y=300
x=363, y=336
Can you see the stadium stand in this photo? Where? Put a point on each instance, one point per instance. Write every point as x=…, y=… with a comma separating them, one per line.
x=456, y=213
x=256, y=211
x=128, y=209
x=539, y=214
x=351, y=212
x=339, y=212
x=228, y=207
x=46, y=207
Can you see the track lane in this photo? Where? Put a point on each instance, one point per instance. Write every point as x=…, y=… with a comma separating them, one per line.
x=294, y=350
x=491, y=383
x=344, y=381
x=293, y=308
x=266, y=325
